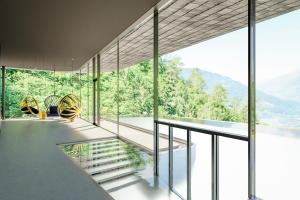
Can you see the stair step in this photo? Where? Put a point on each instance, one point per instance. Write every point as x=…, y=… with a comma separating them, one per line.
x=113, y=175
x=95, y=147
x=107, y=155
x=105, y=161
x=109, y=167
x=104, y=141
x=108, y=147
x=103, y=151
x=111, y=186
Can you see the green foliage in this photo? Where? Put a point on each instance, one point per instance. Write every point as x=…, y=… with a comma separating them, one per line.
x=177, y=98
x=39, y=84
x=76, y=150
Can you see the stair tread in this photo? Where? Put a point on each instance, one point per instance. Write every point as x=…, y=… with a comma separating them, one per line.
x=105, y=160
x=107, y=145
x=109, y=167
x=110, y=149
x=107, y=154
x=122, y=181
x=101, y=178
x=104, y=141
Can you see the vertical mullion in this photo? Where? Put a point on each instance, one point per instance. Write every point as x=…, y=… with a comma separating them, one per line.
x=3, y=94
x=251, y=100
x=215, y=167
x=88, y=92
x=80, y=85
x=94, y=91
x=189, y=165
x=118, y=86
x=155, y=92
x=170, y=157
x=98, y=89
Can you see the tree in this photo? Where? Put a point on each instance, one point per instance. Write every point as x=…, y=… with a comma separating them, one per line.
x=131, y=90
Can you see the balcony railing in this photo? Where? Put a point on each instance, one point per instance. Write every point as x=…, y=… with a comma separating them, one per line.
x=214, y=150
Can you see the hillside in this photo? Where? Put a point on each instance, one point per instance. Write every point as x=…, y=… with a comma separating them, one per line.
x=284, y=87
x=270, y=109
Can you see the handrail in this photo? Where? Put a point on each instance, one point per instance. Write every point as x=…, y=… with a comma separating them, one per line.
x=203, y=130
x=215, y=134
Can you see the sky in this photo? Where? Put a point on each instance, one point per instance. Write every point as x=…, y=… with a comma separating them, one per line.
x=277, y=51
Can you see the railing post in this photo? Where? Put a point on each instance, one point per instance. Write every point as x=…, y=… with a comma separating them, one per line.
x=189, y=165
x=3, y=94
x=156, y=149
x=170, y=157
x=215, y=167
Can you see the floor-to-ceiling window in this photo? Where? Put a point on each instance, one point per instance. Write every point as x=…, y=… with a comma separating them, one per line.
x=84, y=93
x=90, y=91
x=202, y=82
x=136, y=81
x=278, y=102
x=109, y=88
x=76, y=83
x=39, y=84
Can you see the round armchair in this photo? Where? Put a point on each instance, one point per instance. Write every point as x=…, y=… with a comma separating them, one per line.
x=30, y=106
x=69, y=107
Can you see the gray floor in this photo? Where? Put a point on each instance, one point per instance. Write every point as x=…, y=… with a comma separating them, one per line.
x=32, y=167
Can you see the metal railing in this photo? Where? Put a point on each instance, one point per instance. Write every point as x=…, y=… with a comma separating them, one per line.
x=214, y=150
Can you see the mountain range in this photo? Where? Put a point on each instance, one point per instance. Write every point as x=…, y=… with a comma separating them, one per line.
x=285, y=87
x=278, y=102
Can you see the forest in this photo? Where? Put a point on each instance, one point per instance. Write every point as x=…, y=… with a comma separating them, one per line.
x=129, y=92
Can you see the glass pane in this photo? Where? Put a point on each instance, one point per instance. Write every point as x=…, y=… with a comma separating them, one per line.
x=202, y=78
x=136, y=77
x=164, y=153
x=278, y=100
x=233, y=169
x=109, y=89
x=90, y=91
x=84, y=93
x=180, y=162
x=39, y=84
x=201, y=166
x=194, y=86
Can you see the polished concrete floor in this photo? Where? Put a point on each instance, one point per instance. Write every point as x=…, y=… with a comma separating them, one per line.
x=33, y=167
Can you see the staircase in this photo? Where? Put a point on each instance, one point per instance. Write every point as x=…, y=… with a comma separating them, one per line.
x=113, y=163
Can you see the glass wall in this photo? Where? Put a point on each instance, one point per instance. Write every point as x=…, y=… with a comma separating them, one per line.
x=278, y=100
x=36, y=83
x=84, y=93
x=202, y=82
x=136, y=77
x=109, y=88
x=90, y=91
x=76, y=83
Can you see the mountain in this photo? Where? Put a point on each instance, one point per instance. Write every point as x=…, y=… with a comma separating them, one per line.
x=234, y=88
x=270, y=108
x=285, y=87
